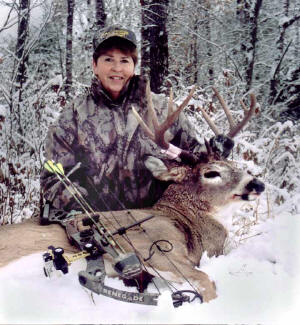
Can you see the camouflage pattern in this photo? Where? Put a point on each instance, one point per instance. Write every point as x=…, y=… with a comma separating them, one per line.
x=104, y=136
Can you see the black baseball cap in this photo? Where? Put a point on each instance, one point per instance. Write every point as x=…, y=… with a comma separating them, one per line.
x=114, y=31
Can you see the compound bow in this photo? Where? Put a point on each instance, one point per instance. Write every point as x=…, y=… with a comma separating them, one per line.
x=94, y=241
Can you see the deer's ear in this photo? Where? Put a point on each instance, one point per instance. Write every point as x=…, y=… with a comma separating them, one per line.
x=160, y=171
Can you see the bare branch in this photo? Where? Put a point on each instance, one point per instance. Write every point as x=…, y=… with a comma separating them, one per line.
x=7, y=24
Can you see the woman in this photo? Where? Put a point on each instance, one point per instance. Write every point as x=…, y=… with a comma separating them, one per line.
x=100, y=132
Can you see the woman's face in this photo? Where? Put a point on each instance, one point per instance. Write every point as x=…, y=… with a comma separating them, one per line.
x=114, y=69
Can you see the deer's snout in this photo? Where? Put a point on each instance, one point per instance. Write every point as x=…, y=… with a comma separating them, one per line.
x=255, y=186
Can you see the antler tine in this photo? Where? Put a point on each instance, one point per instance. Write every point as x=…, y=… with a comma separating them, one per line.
x=225, y=108
x=170, y=103
x=143, y=124
x=187, y=99
x=160, y=129
x=153, y=116
x=209, y=121
x=208, y=148
x=248, y=115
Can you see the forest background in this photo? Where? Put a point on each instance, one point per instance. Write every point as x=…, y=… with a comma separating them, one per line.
x=240, y=46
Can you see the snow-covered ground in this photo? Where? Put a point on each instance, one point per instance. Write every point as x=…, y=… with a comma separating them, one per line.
x=257, y=282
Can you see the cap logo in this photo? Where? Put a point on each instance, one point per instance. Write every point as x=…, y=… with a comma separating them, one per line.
x=118, y=33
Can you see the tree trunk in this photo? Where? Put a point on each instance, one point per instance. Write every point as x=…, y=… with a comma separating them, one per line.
x=247, y=39
x=69, y=45
x=100, y=13
x=251, y=50
x=194, y=50
x=276, y=79
x=22, y=58
x=282, y=27
x=154, y=50
x=209, y=55
x=58, y=23
x=23, y=28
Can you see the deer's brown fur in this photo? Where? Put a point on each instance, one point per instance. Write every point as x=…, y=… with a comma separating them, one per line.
x=29, y=237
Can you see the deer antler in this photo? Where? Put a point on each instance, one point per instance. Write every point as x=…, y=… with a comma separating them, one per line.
x=234, y=128
x=247, y=115
x=158, y=134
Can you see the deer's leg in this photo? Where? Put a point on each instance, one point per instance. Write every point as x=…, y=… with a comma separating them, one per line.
x=187, y=273
x=179, y=268
x=202, y=283
x=29, y=237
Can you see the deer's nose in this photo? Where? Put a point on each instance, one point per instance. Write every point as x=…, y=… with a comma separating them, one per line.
x=255, y=185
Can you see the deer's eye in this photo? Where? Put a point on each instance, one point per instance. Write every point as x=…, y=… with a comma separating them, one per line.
x=212, y=174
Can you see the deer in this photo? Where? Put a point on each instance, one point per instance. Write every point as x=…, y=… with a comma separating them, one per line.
x=184, y=225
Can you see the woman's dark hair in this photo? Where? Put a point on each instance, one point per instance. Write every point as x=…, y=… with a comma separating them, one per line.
x=116, y=43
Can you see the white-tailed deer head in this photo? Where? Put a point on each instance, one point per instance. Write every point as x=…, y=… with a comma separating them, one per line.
x=210, y=178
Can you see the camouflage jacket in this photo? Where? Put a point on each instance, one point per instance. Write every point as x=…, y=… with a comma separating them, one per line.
x=104, y=136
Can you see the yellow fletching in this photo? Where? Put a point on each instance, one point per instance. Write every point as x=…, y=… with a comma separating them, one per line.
x=52, y=167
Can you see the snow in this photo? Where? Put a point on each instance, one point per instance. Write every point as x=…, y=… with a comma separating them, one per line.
x=257, y=282
x=2, y=110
